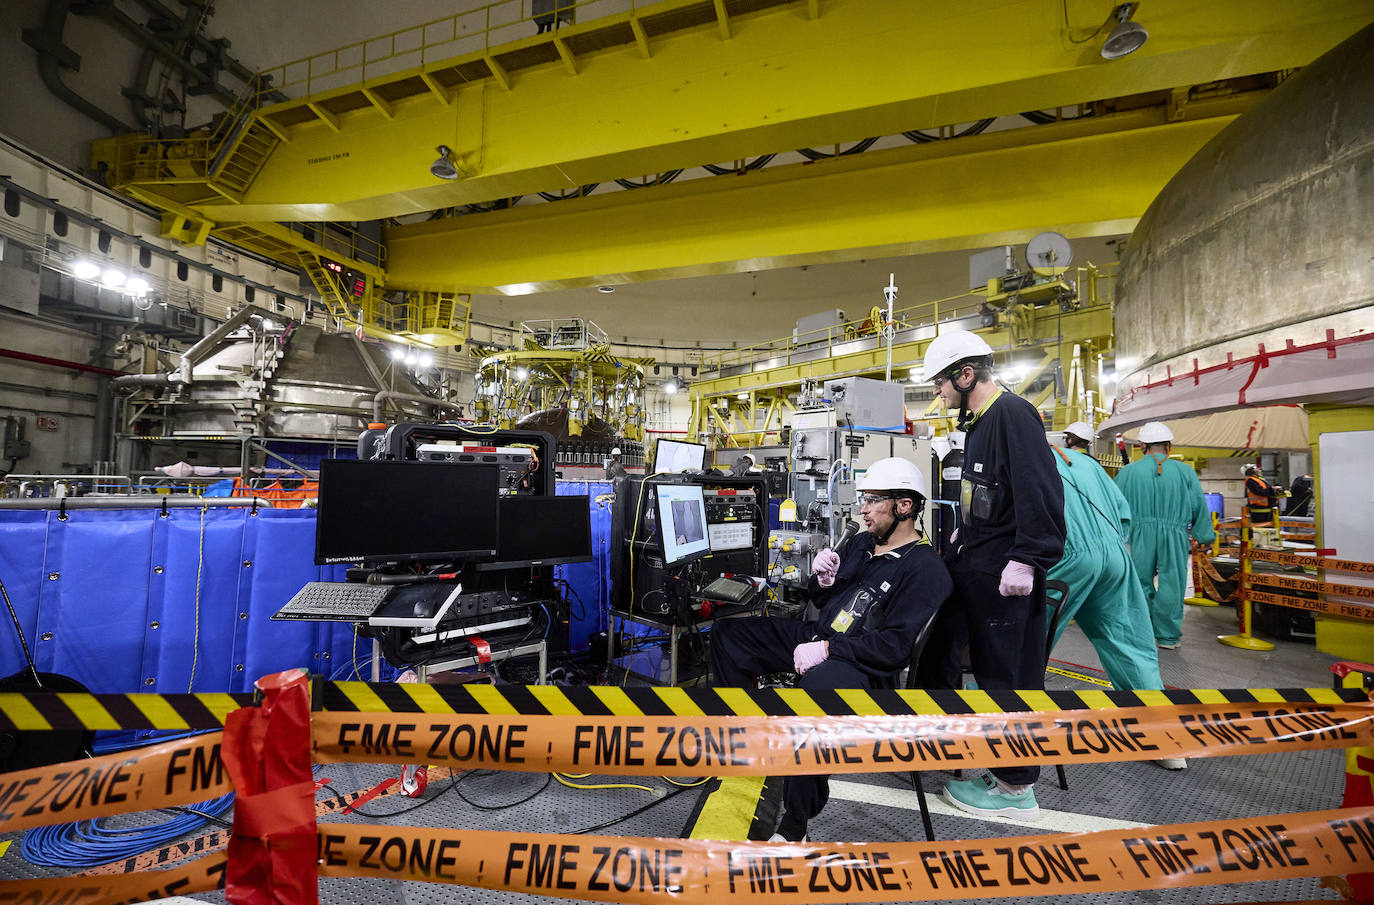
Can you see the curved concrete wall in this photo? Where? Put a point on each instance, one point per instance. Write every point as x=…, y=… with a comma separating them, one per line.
x=1265, y=235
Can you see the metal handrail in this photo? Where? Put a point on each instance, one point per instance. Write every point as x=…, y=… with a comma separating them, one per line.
x=414, y=45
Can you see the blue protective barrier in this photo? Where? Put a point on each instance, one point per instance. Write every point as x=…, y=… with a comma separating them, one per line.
x=132, y=600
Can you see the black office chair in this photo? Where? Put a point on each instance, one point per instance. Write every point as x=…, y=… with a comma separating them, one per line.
x=1051, y=622
x=919, y=645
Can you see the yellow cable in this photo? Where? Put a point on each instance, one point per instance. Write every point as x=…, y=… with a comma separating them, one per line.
x=687, y=785
x=602, y=785
x=200, y=569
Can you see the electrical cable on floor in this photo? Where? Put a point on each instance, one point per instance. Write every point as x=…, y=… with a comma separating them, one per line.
x=688, y=785
x=599, y=785
x=345, y=806
x=635, y=813
x=90, y=843
x=548, y=778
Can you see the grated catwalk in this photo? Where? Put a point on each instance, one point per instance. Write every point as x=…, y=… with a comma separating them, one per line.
x=1210, y=789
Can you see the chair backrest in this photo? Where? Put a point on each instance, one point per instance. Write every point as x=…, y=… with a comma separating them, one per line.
x=918, y=646
x=1056, y=592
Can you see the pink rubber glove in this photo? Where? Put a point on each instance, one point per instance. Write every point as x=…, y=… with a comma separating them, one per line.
x=954, y=536
x=824, y=567
x=1018, y=579
x=809, y=654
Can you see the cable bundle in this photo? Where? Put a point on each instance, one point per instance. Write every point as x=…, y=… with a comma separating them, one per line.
x=89, y=843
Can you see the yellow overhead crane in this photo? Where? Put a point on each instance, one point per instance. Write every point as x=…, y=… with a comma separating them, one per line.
x=678, y=83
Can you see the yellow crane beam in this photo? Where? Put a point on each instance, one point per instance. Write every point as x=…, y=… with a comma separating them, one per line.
x=785, y=78
x=1083, y=177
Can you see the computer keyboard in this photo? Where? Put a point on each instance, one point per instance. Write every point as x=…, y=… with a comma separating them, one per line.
x=729, y=590
x=335, y=601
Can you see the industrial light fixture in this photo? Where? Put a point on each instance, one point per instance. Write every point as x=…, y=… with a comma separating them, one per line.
x=112, y=277
x=1126, y=37
x=137, y=286
x=606, y=289
x=521, y=373
x=670, y=387
x=398, y=353
x=443, y=167
x=425, y=359
x=410, y=357
x=741, y=395
x=85, y=269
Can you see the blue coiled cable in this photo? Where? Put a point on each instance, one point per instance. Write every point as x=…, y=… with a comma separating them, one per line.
x=88, y=843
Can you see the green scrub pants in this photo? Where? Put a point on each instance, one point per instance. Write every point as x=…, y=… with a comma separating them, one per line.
x=1105, y=597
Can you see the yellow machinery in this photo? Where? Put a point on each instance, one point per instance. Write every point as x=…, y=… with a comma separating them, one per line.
x=1060, y=325
x=565, y=379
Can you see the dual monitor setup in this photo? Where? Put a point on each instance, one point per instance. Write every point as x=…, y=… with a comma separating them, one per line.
x=408, y=512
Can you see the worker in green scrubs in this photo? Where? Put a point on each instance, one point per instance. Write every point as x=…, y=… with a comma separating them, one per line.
x=1166, y=505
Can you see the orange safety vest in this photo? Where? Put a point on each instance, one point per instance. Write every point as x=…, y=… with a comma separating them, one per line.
x=1258, y=492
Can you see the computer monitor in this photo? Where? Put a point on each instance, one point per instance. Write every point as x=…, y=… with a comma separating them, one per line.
x=682, y=523
x=402, y=511
x=543, y=531
x=674, y=456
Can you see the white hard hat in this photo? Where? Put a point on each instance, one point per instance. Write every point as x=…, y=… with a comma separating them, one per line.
x=1245, y=469
x=1155, y=432
x=750, y=457
x=1082, y=430
x=949, y=348
x=894, y=474
x=616, y=451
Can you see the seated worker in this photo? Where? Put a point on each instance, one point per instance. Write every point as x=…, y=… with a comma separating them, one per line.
x=872, y=603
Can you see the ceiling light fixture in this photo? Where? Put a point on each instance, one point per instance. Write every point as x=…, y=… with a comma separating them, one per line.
x=606, y=289
x=425, y=359
x=670, y=387
x=1127, y=36
x=521, y=373
x=443, y=167
x=137, y=286
x=112, y=277
x=85, y=269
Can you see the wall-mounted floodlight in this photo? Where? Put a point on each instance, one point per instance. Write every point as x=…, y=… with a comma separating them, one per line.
x=1127, y=36
x=443, y=167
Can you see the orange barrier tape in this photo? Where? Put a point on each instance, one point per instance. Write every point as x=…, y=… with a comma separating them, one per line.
x=1329, y=607
x=180, y=772
x=779, y=745
x=628, y=869
x=1296, y=583
x=202, y=875
x=1312, y=562
x=616, y=869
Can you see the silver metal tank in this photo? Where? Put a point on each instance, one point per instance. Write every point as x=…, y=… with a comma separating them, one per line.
x=1264, y=236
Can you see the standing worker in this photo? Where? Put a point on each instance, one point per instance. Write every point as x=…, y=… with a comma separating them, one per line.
x=1011, y=531
x=1260, y=496
x=1166, y=503
x=873, y=601
x=1104, y=591
x=612, y=468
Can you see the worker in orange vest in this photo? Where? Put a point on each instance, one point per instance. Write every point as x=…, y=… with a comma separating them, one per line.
x=1260, y=495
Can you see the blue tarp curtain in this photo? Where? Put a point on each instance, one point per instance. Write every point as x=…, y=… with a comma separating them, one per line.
x=132, y=600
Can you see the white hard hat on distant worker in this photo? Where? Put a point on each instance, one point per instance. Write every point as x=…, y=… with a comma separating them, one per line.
x=894, y=474
x=1082, y=430
x=616, y=451
x=1155, y=432
x=950, y=348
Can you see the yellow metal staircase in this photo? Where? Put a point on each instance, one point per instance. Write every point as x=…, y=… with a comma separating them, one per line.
x=327, y=285
x=238, y=163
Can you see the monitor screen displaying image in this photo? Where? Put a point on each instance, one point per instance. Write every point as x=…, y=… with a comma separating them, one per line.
x=675, y=457
x=682, y=522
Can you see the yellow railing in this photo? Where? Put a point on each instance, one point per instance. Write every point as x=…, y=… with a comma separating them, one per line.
x=475, y=30
x=780, y=351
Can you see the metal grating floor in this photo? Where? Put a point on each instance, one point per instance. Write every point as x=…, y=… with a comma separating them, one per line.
x=1140, y=792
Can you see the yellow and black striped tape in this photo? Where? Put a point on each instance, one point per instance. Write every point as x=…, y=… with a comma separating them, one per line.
x=41, y=710
x=534, y=700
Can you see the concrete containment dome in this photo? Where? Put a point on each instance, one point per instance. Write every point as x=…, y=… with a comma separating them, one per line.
x=1260, y=246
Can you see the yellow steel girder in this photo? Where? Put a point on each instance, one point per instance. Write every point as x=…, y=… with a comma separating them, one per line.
x=780, y=80
x=1074, y=326
x=1086, y=177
